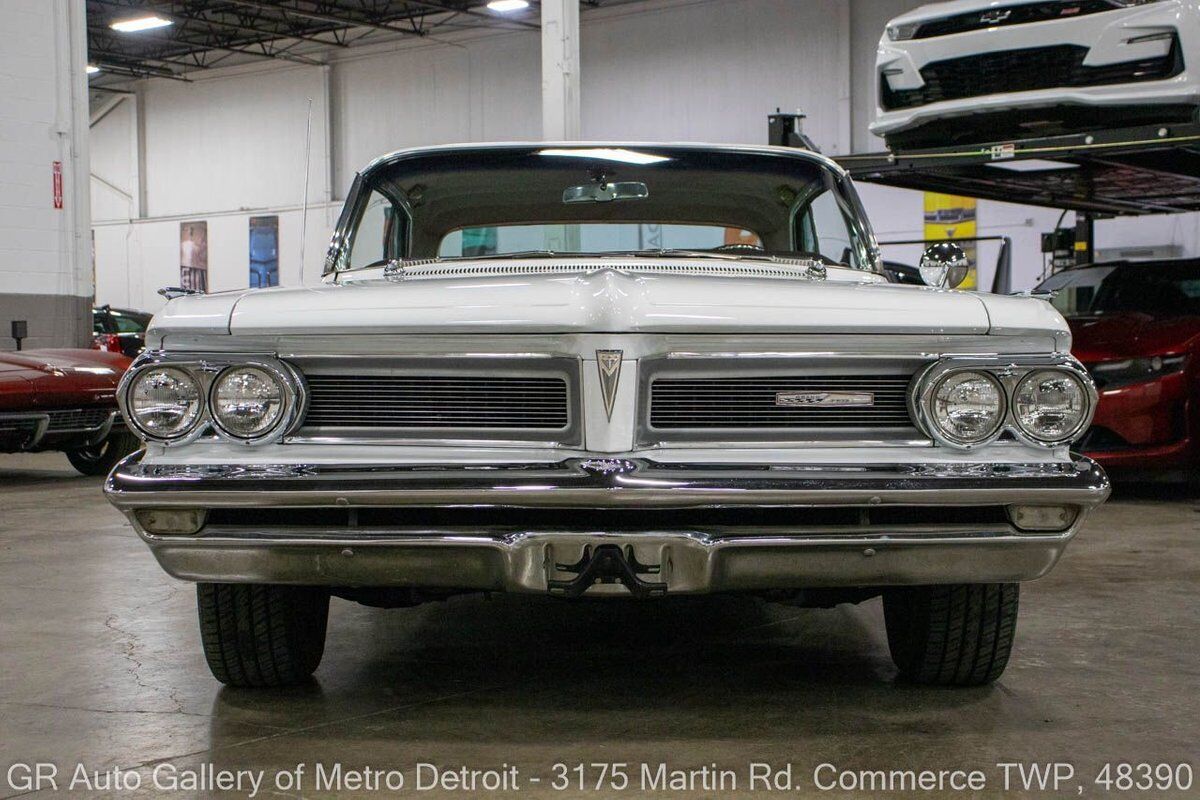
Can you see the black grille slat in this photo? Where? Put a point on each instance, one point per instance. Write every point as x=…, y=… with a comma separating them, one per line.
x=677, y=403
x=420, y=401
x=1016, y=15
x=75, y=419
x=1028, y=69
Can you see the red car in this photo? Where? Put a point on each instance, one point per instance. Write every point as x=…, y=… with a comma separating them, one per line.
x=1136, y=328
x=64, y=400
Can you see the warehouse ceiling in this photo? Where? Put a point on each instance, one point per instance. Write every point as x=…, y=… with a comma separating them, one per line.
x=204, y=35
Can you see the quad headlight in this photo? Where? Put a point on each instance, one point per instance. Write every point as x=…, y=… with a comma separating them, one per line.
x=247, y=402
x=966, y=402
x=1051, y=406
x=164, y=403
x=968, y=407
x=173, y=399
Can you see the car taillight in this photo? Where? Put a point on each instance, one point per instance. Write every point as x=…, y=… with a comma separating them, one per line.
x=108, y=342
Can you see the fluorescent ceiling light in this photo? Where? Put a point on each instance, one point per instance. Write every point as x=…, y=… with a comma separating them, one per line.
x=506, y=6
x=605, y=154
x=1032, y=165
x=92, y=69
x=140, y=24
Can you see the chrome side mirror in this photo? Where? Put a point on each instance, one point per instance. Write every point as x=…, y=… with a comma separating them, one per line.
x=944, y=265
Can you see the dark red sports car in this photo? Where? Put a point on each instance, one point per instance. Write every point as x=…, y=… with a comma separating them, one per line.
x=1136, y=328
x=64, y=400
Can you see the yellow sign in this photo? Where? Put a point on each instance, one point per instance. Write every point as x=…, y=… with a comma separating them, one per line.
x=948, y=216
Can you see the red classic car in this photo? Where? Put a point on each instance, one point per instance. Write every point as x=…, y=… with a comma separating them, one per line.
x=1136, y=328
x=64, y=400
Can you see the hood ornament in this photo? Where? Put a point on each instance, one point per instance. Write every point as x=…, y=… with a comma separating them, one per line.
x=608, y=362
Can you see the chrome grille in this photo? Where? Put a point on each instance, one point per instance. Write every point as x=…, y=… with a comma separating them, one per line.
x=437, y=401
x=751, y=402
x=77, y=419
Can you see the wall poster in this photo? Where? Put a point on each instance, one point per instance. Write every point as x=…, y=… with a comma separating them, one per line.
x=193, y=255
x=264, y=252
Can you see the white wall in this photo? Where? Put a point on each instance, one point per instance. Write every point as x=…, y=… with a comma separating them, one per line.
x=45, y=268
x=231, y=144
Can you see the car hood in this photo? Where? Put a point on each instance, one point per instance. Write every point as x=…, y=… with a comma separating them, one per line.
x=33, y=379
x=1132, y=335
x=611, y=298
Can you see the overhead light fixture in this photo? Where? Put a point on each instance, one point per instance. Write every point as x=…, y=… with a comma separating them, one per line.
x=92, y=69
x=140, y=24
x=507, y=6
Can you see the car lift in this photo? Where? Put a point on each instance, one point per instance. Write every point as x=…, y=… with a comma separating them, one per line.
x=1145, y=169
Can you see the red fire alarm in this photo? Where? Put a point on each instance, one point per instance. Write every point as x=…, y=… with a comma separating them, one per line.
x=56, y=171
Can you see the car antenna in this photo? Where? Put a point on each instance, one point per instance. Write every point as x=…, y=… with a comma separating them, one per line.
x=304, y=200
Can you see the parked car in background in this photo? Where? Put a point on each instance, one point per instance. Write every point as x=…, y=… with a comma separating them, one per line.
x=119, y=330
x=985, y=70
x=64, y=400
x=1136, y=329
x=614, y=400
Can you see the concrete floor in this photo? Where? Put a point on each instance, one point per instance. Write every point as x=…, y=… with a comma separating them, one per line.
x=100, y=664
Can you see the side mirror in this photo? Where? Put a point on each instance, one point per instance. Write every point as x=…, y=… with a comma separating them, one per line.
x=944, y=265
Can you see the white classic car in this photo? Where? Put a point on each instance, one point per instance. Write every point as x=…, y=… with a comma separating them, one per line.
x=613, y=371
x=989, y=70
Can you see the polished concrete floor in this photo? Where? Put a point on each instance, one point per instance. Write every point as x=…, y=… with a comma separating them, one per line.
x=100, y=665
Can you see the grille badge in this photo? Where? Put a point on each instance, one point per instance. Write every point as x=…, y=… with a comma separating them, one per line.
x=825, y=399
x=995, y=17
x=608, y=362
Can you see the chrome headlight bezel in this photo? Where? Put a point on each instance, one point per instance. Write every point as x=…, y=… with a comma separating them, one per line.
x=130, y=381
x=1009, y=373
x=205, y=369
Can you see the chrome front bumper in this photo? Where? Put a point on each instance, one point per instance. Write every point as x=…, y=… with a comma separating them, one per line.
x=271, y=524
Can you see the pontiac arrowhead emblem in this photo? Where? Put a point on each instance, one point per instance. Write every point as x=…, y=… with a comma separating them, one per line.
x=609, y=364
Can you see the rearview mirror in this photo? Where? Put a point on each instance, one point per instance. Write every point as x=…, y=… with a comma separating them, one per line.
x=944, y=265
x=606, y=192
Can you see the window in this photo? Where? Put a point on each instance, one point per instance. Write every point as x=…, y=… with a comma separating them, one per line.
x=378, y=235
x=823, y=229
x=592, y=237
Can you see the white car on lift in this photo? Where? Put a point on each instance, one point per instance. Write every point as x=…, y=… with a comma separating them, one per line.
x=989, y=70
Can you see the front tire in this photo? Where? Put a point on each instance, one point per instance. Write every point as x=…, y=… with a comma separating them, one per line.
x=100, y=458
x=953, y=635
x=257, y=635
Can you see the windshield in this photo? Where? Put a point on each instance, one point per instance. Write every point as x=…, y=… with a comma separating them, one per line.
x=526, y=200
x=1160, y=289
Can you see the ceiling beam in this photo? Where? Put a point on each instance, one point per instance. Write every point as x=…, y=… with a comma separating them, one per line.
x=208, y=45
x=239, y=26
x=492, y=18
x=349, y=22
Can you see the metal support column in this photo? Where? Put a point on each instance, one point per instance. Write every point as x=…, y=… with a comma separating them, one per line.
x=1085, y=239
x=560, y=70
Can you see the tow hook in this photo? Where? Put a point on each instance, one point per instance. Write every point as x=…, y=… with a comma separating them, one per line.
x=607, y=563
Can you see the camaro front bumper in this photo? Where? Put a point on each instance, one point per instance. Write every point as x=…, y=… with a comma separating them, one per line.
x=614, y=525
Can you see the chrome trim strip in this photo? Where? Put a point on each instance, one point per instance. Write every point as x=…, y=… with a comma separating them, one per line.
x=602, y=483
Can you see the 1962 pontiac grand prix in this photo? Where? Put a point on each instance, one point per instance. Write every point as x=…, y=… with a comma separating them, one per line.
x=607, y=370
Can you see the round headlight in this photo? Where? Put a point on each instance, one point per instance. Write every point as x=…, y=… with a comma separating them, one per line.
x=247, y=402
x=164, y=402
x=1051, y=405
x=967, y=407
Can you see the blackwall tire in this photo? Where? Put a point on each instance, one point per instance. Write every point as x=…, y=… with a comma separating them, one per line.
x=261, y=636
x=953, y=635
x=99, y=459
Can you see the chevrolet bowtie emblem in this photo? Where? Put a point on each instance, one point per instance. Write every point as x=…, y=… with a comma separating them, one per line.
x=608, y=362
